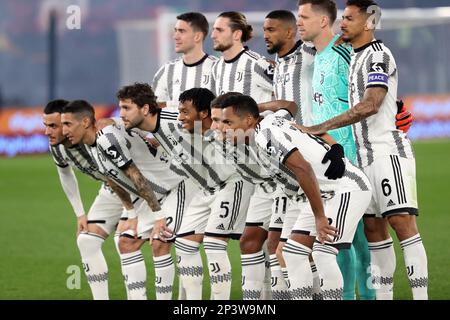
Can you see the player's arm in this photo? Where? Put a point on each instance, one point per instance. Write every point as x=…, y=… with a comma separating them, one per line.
x=142, y=185
x=69, y=184
x=371, y=103
x=124, y=197
x=276, y=105
x=308, y=182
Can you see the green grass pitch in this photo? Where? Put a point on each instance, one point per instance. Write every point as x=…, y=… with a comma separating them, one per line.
x=37, y=237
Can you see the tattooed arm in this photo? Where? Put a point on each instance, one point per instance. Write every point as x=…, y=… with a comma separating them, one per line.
x=122, y=194
x=143, y=186
x=371, y=103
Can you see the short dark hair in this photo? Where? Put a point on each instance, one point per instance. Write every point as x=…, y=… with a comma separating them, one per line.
x=242, y=105
x=55, y=106
x=328, y=6
x=363, y=5
x=140, y=94
x=197, y=21
x=80, y=108
x=283, y=15
x=218, y=102
x=200, y=97
x=239, y=22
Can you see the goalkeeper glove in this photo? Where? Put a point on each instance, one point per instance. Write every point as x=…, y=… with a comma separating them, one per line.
x=403, y=118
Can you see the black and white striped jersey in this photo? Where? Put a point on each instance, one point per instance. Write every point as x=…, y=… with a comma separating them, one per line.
x=373, y=65
x=248, y=73
x=77, y=156
x=292, y=79
x=202, y=159
x=277, y=139
x=175, y=77
x=245, y=159
x=116, y=148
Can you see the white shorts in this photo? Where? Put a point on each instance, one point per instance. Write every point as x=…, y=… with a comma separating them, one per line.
x=295, y=207
x=106, y=209
x=176, y=204
x=221, y=214
x=393, y=181
x=173, y=206
x=146, y=219
x=267, y=209
x=343, y=211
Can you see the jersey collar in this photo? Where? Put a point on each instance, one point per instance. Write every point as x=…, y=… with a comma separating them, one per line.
x=356, y=50
x=294, y=48
x=196, y=63
x=237, y=57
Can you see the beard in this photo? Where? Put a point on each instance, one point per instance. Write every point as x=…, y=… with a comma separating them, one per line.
x=222, y=47
x=275, y=48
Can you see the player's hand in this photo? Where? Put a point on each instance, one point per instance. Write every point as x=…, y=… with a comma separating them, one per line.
x=82, y=225
x=324, y=230
x=104, y=122
x=130, y=227
x=153, y=142
x=403, y=118
x=336, y=157
x=161, y=231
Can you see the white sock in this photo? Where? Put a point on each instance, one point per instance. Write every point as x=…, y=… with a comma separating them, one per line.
x=382, y=266
x=317, y=292
x=285, y=272
x=331, y=277
x=267, y=288
x=416, y=266
x=296, y=257
x=116, y=242
x=280, y=290
x=94, y=263
x=135, y=273
x=253, y=269
x=219, y=268
x=190, y=267
x=164, y=276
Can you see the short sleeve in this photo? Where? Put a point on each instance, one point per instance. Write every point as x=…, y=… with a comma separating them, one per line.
x=159, y=85
x=380, y=66
x=274, y=140
x=115, y=147
x=264, y=71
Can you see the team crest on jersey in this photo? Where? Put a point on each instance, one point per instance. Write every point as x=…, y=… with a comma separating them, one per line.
x=240, y=75
x=205, y=79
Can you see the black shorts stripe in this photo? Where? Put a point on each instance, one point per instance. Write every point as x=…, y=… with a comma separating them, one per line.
x=401, y=196
x=236, y=204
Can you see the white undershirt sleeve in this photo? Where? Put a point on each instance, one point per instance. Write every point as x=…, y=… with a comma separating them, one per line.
x=69, y=184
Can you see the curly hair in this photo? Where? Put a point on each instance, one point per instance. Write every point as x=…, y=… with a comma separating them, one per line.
x=140, y=94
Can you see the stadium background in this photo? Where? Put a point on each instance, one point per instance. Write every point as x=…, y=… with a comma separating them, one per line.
x=120, y=42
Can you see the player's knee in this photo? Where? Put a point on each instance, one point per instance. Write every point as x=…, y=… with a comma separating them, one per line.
x=88, y=243
x=128, y=245
x=160, y=248
x=376, y=229
x=404, y=226
x=249, y=245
